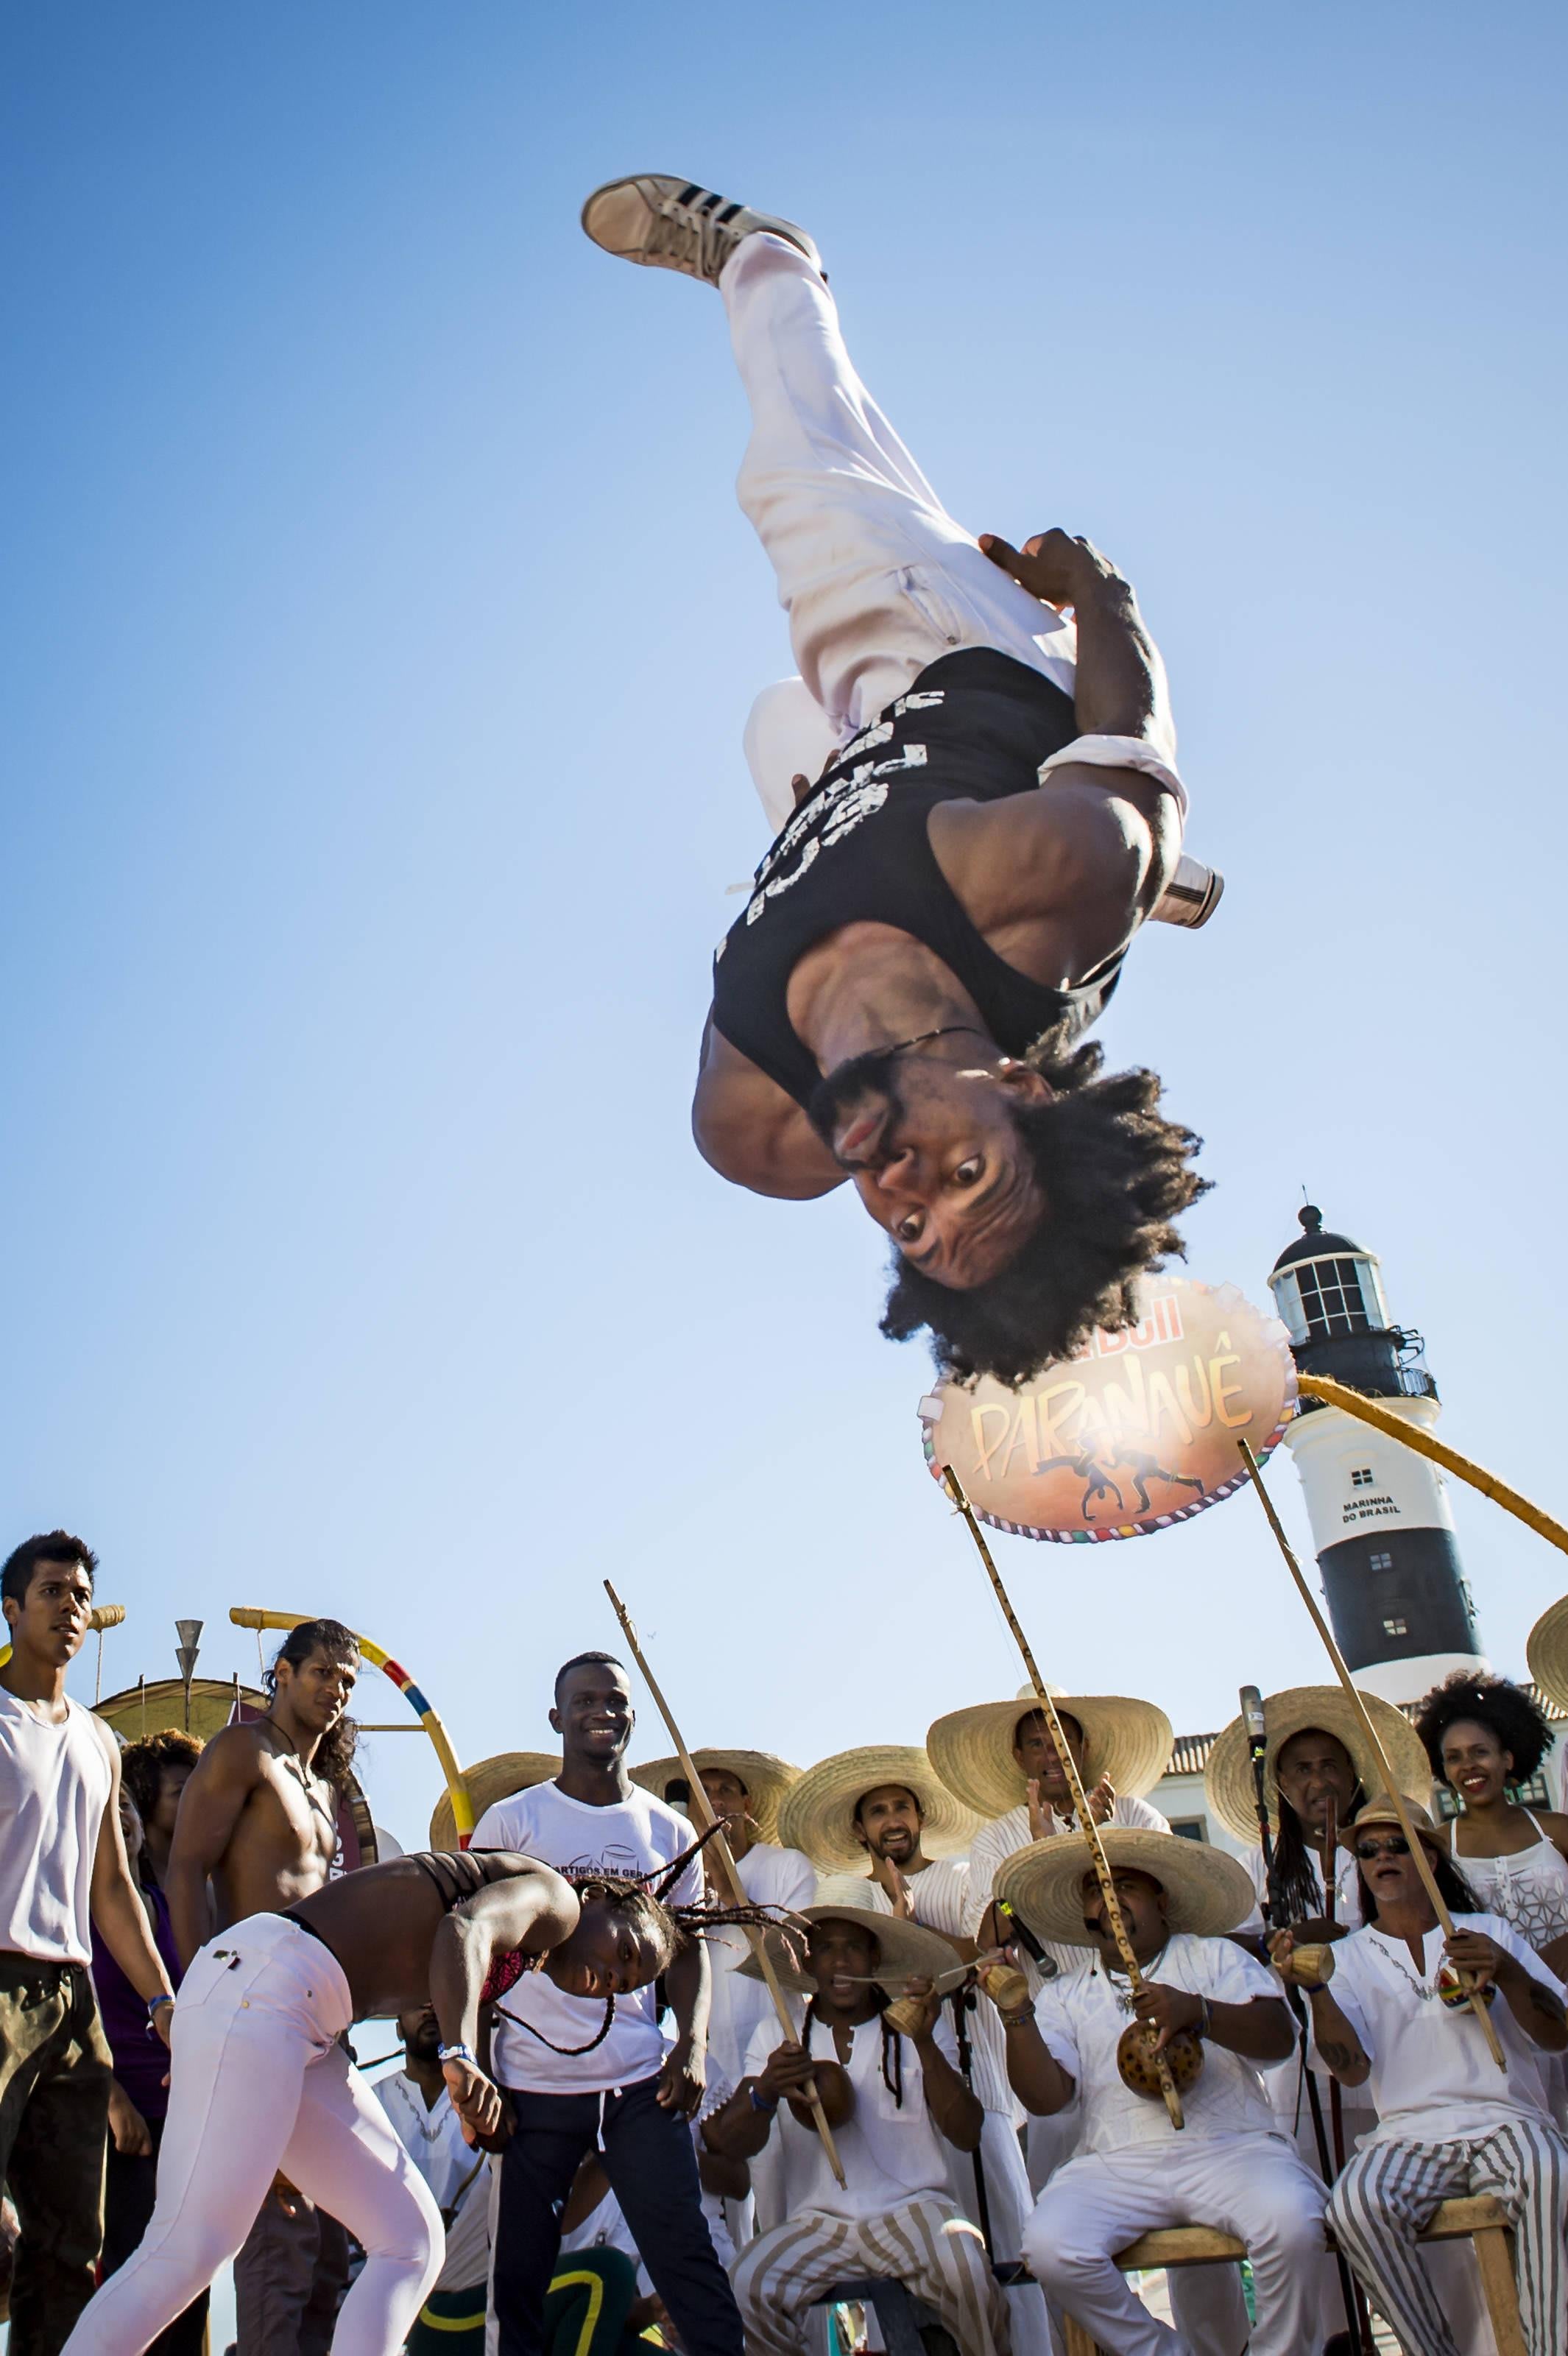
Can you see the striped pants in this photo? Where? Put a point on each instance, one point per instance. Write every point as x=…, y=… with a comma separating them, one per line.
x=927, y=2245
x=1389, y=2191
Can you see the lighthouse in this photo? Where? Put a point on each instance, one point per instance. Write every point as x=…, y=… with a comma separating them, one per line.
x=1397, y=1595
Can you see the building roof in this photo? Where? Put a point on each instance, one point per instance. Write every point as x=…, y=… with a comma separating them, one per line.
x=1190, y=1755
x=1316, y=1242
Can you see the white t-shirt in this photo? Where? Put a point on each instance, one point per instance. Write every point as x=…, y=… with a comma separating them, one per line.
x=639, y=1833
x=890, y=2152
x=740, y=2005
x=940, y=1896
x=54, y=1788
x=1346, y=1885
x=1082, y=2019
x=1434, y=2078
x=433, y=2138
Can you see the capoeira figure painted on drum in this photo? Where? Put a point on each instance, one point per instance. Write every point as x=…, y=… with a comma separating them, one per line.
x=931, y=934
x=260, y=2080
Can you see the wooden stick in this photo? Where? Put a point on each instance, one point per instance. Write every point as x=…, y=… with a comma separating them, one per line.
x=1425, y=1443
x=1396, y=1797
x=1081, y=1807
x=720, y=1849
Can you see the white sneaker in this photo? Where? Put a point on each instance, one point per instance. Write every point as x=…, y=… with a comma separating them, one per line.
x=672, y=224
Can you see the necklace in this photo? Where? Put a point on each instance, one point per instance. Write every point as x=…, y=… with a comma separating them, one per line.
x=291, y=1758
x=1382, y=1947
x=1125, y=2000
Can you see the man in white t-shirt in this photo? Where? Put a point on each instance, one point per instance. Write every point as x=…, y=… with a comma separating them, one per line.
x=883, y=1808
x=1132, y=2172
x=892, y=2099
x=745, y=1790
x=62, y=1871
x=572, y=2080
x=1388, y=2013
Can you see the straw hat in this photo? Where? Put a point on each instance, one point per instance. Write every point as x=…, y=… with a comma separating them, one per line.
x=1546, y=1650
x=1207, y=1890
x=489, y=1780
x=971, y=1750
x=819, y=1814
x=1229, y=1779
x=1382, y=1811
x=766, y=1779
x=907, y=1950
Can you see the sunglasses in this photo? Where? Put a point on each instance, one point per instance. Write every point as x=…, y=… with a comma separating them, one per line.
x=1394, y=1846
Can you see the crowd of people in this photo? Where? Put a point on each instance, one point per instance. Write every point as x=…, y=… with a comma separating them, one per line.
x=604, y=2136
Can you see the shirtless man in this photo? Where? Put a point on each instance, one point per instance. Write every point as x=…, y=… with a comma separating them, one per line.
x=259, y=2079
x=258, y=1822
x=931, y=933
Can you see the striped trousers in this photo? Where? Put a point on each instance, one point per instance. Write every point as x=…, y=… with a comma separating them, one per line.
x=927, y=2245
x=1389, y=2191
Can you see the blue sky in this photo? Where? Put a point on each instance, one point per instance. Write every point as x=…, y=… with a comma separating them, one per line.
x=379, y=633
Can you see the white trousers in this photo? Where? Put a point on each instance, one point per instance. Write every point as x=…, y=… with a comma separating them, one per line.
x=927, y=2244
x=1390, y=2190
x=1253, y=2186
x=260, y=2084
x=876, y=577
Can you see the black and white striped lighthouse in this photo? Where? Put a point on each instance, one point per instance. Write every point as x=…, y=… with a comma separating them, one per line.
x=1397, y=1595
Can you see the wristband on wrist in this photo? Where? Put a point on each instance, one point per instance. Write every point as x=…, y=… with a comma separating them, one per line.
x=759, y=2100
x=457, y=2053
x=156, y=2003
x=1018, y=2019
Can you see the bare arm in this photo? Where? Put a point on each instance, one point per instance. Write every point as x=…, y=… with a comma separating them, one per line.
x=116, y=1904
x=531, y=1912
x=210, y=1806
x=753, y=1132
x=1120, y=685
x=688, y=1984
x=742, y=2127
x=956, y=2114
x=1259, y=2030
x=1537, y=2009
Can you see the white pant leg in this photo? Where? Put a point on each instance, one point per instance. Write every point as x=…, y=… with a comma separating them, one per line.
x=344, y=2156
x=1526, y=2167
x=937, y=2252
x=776, y=2277
x=1258, y=2189
x=876, y=579
x=1209, y=2308
x=1091, y=2209
x=254, y=2015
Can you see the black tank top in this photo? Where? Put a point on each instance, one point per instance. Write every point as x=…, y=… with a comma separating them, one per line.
x=975, y=726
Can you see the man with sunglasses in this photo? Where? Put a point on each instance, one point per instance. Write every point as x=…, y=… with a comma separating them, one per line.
x=1390, y=2012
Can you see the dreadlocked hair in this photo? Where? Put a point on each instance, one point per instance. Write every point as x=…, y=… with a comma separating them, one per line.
x=1522, y=1727
x=666, y=1924
x=1293, y=1892
x=1113, y=1174
x=893, y=2044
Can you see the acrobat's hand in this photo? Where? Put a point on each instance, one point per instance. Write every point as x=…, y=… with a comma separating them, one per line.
x=478, y=2102
x=1055, y=567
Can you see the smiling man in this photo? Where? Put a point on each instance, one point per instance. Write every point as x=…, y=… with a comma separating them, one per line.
x=571, y=2085
x=932, y=932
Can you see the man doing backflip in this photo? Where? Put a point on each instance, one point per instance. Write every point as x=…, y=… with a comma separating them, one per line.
x=931, y=933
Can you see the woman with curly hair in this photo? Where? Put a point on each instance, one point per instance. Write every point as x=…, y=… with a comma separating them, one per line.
x=1483, y=1734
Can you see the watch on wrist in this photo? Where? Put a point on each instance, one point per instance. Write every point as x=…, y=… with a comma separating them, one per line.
x=459, y=2053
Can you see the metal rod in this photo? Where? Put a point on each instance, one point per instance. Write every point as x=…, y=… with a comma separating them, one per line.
x=720, y=1849
x=1390, y=1782
x=1081, y=1807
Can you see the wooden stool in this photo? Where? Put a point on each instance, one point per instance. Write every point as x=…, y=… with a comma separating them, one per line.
x=1177, y=2245
x=1484, y=2220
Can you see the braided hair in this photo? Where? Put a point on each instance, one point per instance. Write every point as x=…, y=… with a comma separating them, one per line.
x=666, y=1925
x=1293, y=1892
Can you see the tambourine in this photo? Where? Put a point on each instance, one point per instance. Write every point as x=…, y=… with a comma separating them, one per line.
x=1456, y=1993
x=1139, y=2070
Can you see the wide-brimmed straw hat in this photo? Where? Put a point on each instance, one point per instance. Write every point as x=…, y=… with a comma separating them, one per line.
x=489, y=1780
x=971, y=1750
x=1382, y=1811
x=907, y=1950
x=1228, y=1781
x=818, y=1813
x=1207, y=1890
x=766, y=1779
x=1546, y=1650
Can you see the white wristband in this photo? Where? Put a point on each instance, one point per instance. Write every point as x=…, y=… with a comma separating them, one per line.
x=1118, y=753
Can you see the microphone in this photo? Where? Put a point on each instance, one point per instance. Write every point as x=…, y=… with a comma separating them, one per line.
x=1253, y=1719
